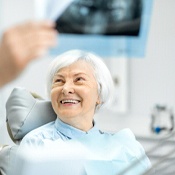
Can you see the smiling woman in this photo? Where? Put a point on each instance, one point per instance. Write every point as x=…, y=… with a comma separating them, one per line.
x=73, y=79
x=79, y=84
x=72, y=90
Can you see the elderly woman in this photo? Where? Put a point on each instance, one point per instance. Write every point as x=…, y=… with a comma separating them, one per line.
x=79, y=84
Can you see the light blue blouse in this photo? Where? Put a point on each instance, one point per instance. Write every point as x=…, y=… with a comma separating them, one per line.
x=105, y=153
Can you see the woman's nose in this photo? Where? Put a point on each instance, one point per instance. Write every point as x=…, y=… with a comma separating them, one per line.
x=68, y=89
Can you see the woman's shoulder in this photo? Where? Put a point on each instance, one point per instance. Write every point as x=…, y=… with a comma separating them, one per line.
x=38, y=134
x=41, y=129
x=126, y=139
x=131, y=148
x=122, y=134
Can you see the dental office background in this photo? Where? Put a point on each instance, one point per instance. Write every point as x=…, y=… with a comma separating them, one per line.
x=144, y=76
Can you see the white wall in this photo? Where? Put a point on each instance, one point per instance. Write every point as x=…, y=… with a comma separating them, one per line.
x=151, y=79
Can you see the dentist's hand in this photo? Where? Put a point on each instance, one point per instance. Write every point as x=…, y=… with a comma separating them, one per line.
x=23, y=43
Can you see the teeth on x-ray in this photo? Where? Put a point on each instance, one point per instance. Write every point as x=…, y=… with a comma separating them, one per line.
x=106, y=17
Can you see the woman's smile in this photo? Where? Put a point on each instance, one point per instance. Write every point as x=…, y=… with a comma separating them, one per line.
x=69, y=102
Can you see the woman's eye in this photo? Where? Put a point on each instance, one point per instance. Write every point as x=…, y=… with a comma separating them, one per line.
x=58, y=81
x=79, y=79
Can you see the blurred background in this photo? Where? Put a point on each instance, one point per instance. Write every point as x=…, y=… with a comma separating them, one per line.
x=143, y=83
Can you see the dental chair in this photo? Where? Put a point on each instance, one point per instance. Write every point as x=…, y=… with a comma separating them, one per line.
x=25, y=111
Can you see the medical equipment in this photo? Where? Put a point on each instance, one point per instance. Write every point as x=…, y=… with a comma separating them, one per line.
x=161, y=153
x=162, y=119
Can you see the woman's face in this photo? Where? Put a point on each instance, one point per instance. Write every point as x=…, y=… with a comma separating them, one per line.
x=74, y=93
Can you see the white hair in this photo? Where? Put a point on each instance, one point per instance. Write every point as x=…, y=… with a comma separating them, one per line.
x=101, y=72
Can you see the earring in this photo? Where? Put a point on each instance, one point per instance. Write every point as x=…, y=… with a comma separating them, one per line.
x=97, y=103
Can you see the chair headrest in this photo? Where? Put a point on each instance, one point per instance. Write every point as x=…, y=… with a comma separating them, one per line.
x=24, y=113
